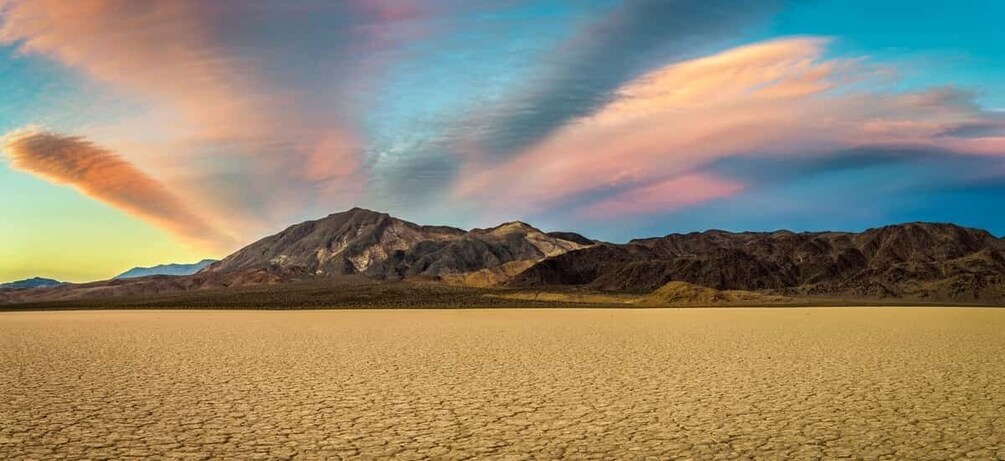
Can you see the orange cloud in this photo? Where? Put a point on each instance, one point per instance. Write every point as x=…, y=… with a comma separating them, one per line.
x=207, y=98
x=107, y=177
x=778, y=97
x=162, y=50
x=669, y=195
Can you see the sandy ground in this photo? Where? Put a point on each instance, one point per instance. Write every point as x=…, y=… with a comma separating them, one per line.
x=897, y=383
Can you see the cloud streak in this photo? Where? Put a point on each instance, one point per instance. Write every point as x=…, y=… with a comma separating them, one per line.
x=108, y=178
x=258, y=114
x=162, y=50
x=665, y=196
x=582, y=73
x=775, y=98
x=212, y=93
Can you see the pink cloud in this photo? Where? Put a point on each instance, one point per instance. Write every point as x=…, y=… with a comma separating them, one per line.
x=388, y=11
x=773, y=98
x=664, y=196
x=164, y=51
x=207, y=100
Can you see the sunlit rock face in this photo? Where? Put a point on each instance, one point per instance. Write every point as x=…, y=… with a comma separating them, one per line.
x=375, y=244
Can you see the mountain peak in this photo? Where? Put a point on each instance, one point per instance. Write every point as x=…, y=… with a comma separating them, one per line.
x=915, y=260
x=361, y=241
x=512, y=226
x=359, y=211
x=165, y=269
x=34, y=282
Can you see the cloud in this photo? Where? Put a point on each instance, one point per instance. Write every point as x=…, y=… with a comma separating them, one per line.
x=262, y=113
x=391, y=11
x=522, y=83
x=107, y=177
x=162, y=50
x=847, y=190
x=914, y=168
x=774, y=98
x=580, y=75
x=212, y=93
x=665, y=196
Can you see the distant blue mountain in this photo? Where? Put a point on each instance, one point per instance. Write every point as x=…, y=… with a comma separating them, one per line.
x=34, y=282
x=165, y=269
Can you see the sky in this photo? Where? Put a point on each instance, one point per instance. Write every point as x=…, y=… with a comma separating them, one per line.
x=141, y=133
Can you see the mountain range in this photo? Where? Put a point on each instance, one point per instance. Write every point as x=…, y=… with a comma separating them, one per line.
x=34, y=282
x=165, y=269
x=913, y=261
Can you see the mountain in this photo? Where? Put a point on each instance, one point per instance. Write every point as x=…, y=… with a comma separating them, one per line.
x=34, y=282
x=914, y=260
x=379, y=246
x=905, y=262
x=165, y=269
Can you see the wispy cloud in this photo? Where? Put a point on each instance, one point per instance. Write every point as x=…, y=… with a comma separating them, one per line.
x=163, y=51
x=260, y=113
x=107, y=177
x=774, y=98
x=580, y=75
x=665, y=196
x=212, y=93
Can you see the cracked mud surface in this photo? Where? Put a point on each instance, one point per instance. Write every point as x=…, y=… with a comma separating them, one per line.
x=896, y=383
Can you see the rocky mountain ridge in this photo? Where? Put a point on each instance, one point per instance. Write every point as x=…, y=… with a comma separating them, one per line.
x=34, y=282
x=913, y=261
x=918, y=260
x=165, y=269
x=379, y=246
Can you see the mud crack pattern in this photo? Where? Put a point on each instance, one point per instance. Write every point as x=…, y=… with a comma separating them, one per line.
x=873, y=383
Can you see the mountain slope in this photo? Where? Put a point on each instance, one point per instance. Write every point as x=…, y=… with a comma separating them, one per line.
x=165, y=269
x=921, y=260
x=914, y=261
x=379, y=246
x=34, y=282
x=686, y=294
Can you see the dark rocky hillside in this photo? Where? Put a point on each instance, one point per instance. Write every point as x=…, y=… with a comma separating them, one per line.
x=915, y=261
x=918, y=260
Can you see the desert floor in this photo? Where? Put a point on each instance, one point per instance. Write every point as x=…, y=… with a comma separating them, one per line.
x=898, y=383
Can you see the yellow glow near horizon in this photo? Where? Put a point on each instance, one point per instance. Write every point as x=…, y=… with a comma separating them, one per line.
x=52, y=231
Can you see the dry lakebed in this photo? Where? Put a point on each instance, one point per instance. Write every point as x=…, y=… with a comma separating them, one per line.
x=744, y=383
